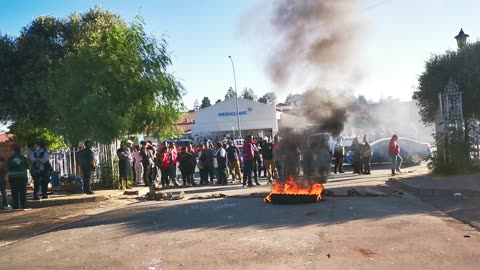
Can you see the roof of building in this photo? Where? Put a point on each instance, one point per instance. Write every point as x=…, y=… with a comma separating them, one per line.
x=5, y=137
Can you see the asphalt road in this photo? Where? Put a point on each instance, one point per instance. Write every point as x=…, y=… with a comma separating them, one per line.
x=337, y=233
x=246, y=233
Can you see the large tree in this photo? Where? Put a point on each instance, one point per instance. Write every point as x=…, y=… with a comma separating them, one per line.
x=248, y=93
x=463, y=66
x=294, y=99
x=268, y=98
x=94, y=76
x=205, y=103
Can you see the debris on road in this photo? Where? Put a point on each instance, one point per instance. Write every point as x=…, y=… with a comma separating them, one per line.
x=209, y=196
x=458, y=194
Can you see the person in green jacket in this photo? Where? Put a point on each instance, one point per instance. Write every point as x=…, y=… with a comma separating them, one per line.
x=17, y=166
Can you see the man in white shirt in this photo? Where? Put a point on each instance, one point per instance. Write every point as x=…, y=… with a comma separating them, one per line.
x=221, y=163
x=40, y=170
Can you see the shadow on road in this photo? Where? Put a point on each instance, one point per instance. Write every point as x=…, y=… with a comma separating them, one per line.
x=156, y=217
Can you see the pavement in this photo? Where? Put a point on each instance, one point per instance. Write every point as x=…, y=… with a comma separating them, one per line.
x=347, y=230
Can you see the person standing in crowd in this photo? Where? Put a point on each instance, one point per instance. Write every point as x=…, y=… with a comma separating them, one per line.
x=194, y=162
x=259, y=160
x=88, y=166
x=173, y=163
x=355, y=150
x=394, y=151
x=17, y=166
x=152, y=147
x=366, y=156
x=164, y=161
x=201, y=168
x=3, y=184
x=256, y=158
x=123, y=154
x=268, y=162
x=233, y=156
x=207, y=162
x=185, y=164
x=147, y=163
x=221, y=157
x=137, y=163
x=278, y=157
x=248, y=160
x=339, y=155
x=40, y=170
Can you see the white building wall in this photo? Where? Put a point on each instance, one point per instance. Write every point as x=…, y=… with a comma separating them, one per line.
x=221, y=117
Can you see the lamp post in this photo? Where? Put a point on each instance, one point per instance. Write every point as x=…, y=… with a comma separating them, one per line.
x=461, y=38
x=236, y=98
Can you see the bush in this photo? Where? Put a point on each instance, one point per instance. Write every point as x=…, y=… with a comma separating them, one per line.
x=109, y=177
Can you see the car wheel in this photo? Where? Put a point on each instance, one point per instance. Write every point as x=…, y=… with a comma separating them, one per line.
x=415, y=158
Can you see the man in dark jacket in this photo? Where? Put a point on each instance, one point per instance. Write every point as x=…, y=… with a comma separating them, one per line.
x=17, y=166
x=268, y=162
x=339, y=155
x=185, y=160
x=88, y=167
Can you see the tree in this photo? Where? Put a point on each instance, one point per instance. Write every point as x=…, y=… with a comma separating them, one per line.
x=463, y=66
x=205, y=103
x=94, y=76
x=362, y=99
x=294, y=99
x=248, y=94
x=218, y=101
x=230, y=93
x=269, y=98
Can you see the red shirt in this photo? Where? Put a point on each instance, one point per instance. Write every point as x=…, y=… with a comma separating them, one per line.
x=394, y=148
x=248, y=151
x=164, y=159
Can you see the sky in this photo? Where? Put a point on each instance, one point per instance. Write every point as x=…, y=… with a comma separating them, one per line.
x=201, y=34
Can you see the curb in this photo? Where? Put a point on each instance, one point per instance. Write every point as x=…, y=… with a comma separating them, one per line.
x=63, y=201
x=432, y=191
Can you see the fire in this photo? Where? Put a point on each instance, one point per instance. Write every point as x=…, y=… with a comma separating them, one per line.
x=291, y=187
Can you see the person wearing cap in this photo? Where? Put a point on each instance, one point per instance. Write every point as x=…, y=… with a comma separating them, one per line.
x=233, y=157
x=124, y=156
x=88, y=166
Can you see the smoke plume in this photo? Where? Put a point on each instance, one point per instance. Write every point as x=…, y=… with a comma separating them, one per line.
x=315, y=40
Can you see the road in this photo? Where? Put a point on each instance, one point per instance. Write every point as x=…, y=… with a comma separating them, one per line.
x=396, y=232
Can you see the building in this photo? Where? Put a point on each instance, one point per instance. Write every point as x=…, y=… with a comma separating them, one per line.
x=5, y=145
x=220, y=120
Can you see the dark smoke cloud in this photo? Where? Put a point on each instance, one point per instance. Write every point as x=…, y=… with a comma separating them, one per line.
x=329, y=112
x=318, y=38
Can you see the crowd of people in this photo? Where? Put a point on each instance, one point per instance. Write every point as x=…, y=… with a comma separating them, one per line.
x=150, y=162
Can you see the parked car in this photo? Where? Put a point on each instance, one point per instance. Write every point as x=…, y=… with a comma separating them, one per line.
x=412, y=151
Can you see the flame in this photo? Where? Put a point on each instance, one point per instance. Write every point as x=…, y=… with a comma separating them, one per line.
x=291, y=187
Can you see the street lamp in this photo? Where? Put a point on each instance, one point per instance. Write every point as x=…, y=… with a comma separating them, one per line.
x=236, y=97
x=461, y=38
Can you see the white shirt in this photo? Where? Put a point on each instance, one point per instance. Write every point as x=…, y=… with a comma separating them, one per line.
x=221, y=152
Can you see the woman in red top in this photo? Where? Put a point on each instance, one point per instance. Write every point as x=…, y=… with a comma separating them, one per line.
x=163, y=158
x=394, y=151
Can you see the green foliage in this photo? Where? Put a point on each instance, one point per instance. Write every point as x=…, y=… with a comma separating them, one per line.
x=295, y=100
x=43, y=136
x=268, y=98
x=218, y=101
x=464, y=67
x=230, y=93
x=93, y=76
x=205, y=103
x=450, y=159
x=110, y=177
x=248, y=94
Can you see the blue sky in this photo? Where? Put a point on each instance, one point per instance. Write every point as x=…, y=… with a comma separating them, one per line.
x=201, y=34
